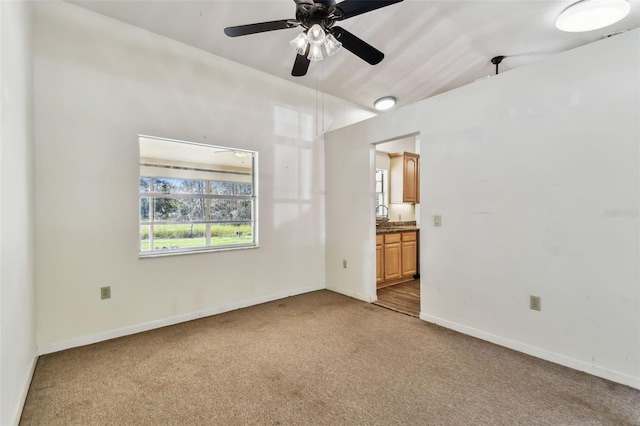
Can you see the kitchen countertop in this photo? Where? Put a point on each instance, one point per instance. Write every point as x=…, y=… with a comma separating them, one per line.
x=389, y=229
x=386, y=228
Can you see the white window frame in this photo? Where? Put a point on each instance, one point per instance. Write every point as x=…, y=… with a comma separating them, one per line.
x=153, y=195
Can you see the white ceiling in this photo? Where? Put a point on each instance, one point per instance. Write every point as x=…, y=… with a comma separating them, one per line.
x=430, y=46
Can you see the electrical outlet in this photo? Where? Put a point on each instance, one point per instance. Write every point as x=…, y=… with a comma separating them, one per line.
x=534, y=303
x=105, y=292
x=344, y=264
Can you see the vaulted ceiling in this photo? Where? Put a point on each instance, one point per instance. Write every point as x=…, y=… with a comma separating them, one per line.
x=430, y=46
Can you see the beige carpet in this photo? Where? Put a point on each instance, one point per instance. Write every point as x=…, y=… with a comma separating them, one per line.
x=318, y=359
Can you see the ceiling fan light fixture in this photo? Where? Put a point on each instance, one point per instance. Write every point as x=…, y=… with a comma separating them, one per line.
x=588, y=15
x=300, y=44
x=385, y=103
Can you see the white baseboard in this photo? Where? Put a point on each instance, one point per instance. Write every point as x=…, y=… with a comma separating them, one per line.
x=605, y=373
x=25, y=391
x=151, y=325
x=353, y=294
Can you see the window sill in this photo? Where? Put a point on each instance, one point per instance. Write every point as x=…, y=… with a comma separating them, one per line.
x=147, y=255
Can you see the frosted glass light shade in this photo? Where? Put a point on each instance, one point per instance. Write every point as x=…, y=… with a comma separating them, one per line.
x=316, y=35
x=315, y=53
x=588, y=15
x=300, y=43
x=331, y=44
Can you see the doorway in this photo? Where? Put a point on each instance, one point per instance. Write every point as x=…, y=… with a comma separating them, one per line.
x=397, y=207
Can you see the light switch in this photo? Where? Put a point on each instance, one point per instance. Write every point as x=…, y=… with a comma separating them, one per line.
x=437, y=220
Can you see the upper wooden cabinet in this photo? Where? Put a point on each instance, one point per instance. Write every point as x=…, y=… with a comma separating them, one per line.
x=405, y=178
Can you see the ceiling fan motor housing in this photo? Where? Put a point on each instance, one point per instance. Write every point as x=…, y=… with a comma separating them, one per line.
x=309, y=13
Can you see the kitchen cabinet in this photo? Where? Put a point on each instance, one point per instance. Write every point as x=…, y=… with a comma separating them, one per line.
x=404, y=178
x=392, y=257
x=396, y=257
x=409, y=258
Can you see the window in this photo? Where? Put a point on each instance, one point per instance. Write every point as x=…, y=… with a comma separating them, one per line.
x=195, y=197
x=382, y=197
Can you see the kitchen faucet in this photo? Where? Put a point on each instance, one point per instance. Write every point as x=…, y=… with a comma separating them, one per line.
x=384, y=210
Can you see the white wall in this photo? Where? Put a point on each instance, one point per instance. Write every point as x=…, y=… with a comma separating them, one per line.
x=98, y=84
x=407, y=144
x=382, y=160
x=535, y=174
x=17, y=285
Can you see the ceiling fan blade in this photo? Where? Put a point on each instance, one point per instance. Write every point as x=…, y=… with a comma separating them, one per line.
x=357, y=46
x=301, y=65
x=260, y=27
x=350, y=8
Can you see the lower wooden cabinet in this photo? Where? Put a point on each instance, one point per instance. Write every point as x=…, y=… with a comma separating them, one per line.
x=409, y=258
x=392, y=257
x=396, y=257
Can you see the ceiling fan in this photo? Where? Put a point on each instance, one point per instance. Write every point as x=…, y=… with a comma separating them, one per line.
x=318, y=17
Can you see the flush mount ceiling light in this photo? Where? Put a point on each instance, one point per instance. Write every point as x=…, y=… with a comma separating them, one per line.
x=588, y=15
x=385, y=103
